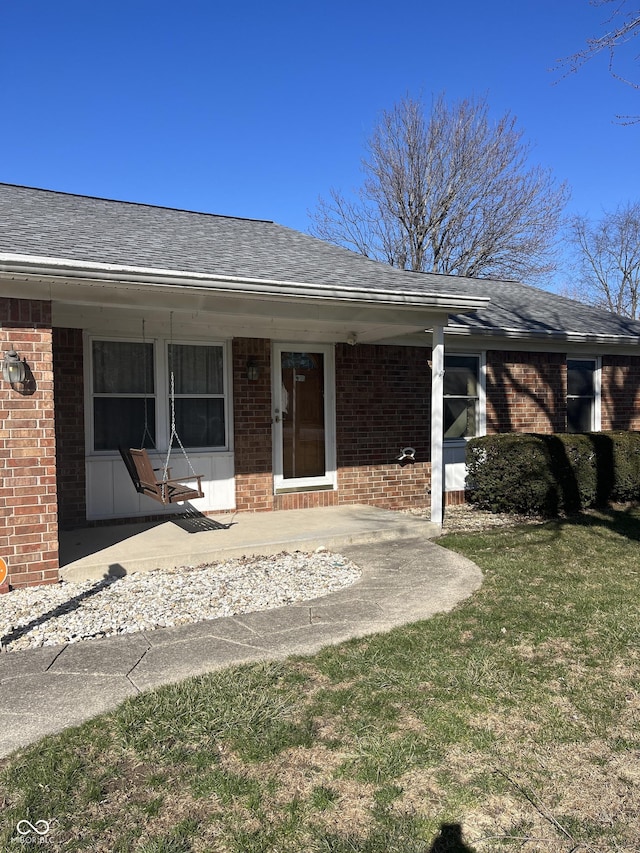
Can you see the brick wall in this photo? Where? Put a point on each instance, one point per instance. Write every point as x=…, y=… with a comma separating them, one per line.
x=383, y=403
x=68, y=379
x=252, y=425
x=455, y=498
x=306, y=500
x=526, y=392
x=28, y=502
x=621, y=392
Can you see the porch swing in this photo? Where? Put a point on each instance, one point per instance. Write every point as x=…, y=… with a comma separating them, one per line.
x=164, y=489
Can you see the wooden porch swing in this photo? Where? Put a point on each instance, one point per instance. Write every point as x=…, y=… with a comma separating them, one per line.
x=163, y=489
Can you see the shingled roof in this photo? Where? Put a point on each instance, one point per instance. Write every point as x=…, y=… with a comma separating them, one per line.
x=85, y=229
x=49, y=224
x=528, y=311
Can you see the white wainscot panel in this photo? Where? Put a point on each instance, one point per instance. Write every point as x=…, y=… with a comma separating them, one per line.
x=111, y=494
x=455, y=469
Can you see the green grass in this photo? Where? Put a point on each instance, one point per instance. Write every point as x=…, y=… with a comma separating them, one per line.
x=516, y=717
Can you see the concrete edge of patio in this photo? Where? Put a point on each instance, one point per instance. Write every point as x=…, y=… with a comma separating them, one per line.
x=92, y=553
x=48, y=689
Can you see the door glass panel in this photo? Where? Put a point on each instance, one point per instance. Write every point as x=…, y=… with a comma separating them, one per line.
x=302, y=413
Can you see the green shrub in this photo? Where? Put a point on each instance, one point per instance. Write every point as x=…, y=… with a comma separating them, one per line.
x=626, y=466
x=497, y=467
x=549, y=474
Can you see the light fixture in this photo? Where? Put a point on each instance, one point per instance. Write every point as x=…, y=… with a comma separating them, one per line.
x=13, y=369
x=253, y=371
x=352, y=339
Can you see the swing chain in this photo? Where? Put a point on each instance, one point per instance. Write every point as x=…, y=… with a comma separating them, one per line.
x=146, y=433
x=172, y=398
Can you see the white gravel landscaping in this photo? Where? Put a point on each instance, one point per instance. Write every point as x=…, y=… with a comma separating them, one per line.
x=69, y=612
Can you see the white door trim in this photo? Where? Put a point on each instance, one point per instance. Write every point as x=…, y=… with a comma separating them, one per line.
x=329, y=479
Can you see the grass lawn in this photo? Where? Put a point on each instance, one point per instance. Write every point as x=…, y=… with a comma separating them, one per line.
x=514, y=721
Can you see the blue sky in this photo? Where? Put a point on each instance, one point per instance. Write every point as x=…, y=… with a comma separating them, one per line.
x=255, y=109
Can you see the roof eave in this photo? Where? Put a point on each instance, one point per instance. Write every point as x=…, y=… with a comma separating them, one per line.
x=64, y=269
x=545, y=334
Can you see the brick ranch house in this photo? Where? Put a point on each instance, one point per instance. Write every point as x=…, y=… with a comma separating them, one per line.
x=301, y=370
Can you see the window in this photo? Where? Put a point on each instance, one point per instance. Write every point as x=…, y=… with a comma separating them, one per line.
x=124, y=412
x=461, y=391
x=199, y=394
x=131, y=394
x=582, y=395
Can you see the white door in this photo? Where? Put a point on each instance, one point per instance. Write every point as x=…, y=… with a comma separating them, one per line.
x=303, y=394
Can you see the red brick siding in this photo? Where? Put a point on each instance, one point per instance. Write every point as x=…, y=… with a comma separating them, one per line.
x=70, y=435
x=252, y=425
x=383, y=403
x=28, y=496
x=526, y=392
x=385, y=486
x=621, y=392
x=306, y=500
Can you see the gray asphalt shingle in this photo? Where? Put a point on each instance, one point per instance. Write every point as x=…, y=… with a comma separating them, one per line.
x=78, y=228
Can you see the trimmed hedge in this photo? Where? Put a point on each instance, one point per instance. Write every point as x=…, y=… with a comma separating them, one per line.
x=551, y=474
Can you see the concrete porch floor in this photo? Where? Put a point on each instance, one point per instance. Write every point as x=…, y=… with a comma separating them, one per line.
x=93, y=552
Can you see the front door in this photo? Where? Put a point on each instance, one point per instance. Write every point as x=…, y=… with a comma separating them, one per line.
x=303, y=417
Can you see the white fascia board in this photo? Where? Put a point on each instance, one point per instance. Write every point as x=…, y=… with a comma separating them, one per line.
x=538, y=335
x=149, y=277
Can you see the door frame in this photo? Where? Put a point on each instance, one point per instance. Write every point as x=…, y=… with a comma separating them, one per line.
x=329, y=480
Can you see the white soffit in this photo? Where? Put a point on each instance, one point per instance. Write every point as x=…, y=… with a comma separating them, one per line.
x=248, y=305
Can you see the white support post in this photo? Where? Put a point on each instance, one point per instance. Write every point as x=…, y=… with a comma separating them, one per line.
x=437, y=420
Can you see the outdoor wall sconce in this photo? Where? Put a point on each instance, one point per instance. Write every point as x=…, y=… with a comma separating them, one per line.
x=13, y=369
x=253, y=371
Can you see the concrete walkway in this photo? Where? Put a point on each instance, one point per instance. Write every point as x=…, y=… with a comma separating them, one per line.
x=405, y=578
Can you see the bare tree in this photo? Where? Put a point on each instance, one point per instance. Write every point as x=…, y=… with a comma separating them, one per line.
x=608, y=260
x=623, y=25
x=448, y=192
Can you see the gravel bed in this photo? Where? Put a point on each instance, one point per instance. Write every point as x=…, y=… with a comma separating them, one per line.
x=69, y=612
x=466, y=518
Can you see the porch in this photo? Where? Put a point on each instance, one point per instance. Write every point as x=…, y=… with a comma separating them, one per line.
x=193, y=539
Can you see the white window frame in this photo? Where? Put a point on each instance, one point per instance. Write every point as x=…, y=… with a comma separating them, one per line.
x=481, y=409
x=225, y=388
x=596, y=408
x=161, y=393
